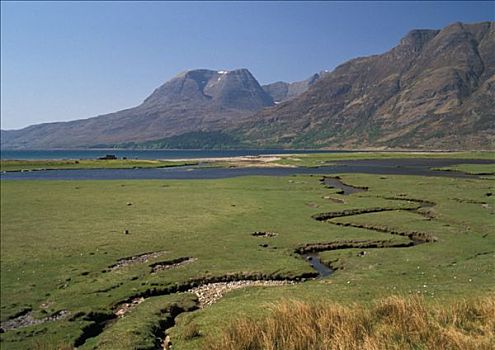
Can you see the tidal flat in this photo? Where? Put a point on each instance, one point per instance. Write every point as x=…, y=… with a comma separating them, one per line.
x=126, y=264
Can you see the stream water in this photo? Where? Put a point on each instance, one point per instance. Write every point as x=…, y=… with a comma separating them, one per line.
x=209, y=291
x=315, y=262
x=417, y=166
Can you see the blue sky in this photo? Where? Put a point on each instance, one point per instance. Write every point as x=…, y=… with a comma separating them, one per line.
x=71, y=60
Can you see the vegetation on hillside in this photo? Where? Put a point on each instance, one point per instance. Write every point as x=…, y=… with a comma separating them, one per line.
x=190, y=140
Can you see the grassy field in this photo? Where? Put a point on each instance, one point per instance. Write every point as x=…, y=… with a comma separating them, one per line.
x=474, y=169
x=60, y=240
x=31, y=165
x=319, y=159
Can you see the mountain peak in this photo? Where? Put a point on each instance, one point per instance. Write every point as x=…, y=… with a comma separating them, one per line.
x=236, y=89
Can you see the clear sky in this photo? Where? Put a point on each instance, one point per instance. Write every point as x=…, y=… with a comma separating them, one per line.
x=72, y=60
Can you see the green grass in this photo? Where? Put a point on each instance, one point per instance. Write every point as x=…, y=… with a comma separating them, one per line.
x=139, y=329
x=59, y=236
x=20, y=165
x=320, y=159
x=474, y=169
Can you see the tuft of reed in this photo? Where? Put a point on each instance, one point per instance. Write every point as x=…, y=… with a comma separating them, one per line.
x=191, y=331
x=391, y=323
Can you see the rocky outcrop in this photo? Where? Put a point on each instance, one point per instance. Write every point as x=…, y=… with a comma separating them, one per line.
x=210, y=293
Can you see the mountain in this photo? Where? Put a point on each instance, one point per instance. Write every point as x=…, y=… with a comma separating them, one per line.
x=196, y=100
x=435, y=90
x=282, y=91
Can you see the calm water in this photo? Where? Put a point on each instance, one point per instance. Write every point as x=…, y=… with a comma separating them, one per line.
x=146, y=154
x=419, y=167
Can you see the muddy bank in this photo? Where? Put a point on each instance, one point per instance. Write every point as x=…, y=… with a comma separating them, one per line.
x=345, y=189
x=349, y=244
x=264, y=234
x=207, y=293
x=98, y=323
x=415, y=236
x=210, y=293
x=200, y=282
x=163, y=341
x=27, y=319
x=423, y=205
x=470, y=201
x=126, y=307
x=135, y=259
x=423, y=208
x=422, y=202
x=348, y=212
x=171, y=264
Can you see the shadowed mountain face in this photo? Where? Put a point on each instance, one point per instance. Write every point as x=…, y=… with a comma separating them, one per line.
x=436, y=89
x=197, y=100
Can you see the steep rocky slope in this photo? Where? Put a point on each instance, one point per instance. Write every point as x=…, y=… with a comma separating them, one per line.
x=436, y=89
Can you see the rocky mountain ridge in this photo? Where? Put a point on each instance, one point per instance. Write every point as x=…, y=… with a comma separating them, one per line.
x=434, y=90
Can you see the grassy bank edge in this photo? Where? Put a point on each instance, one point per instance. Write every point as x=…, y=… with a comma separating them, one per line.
x=38, y=165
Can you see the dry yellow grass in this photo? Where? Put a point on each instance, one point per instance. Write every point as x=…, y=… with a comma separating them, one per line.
x=50, y=345
x=391, y=323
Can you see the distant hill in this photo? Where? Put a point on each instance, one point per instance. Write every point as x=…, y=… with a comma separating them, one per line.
x=434, y=90
x=196, y=100
x=282, y=91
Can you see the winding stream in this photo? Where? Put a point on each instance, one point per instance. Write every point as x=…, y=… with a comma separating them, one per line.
x=209, y=290
x=315, y=262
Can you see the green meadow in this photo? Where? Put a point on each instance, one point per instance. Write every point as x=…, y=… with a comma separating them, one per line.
x=61, y=241
x=319, y=159
x=473, y=169
x=33, y=165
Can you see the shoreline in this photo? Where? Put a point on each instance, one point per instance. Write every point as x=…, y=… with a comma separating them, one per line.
x=381, y=166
